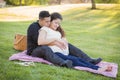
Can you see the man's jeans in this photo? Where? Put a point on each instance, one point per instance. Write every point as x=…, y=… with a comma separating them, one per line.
x=78, y=53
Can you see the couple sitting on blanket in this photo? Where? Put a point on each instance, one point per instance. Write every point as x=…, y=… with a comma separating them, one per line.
x=46, y=39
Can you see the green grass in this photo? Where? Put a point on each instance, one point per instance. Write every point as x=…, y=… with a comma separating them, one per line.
x=96, y=32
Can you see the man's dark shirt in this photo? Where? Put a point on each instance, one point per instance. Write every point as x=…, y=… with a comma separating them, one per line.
x=32, y=37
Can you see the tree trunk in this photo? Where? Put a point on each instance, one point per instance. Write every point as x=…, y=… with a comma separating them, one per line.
x=20, y=1
x=93, y=4
x=59, y=1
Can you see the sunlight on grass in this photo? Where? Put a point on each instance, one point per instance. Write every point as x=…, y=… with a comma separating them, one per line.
x=113, y=26
x=100, y=25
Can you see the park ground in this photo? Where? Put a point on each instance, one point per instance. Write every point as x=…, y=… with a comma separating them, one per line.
x=96, y=32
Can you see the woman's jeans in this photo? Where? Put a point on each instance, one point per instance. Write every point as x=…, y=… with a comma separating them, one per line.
x=77, y=61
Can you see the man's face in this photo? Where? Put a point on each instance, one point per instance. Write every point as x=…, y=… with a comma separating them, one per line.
x=45, y=21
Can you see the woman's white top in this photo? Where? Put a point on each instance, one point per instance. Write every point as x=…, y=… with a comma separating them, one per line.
x=55, y=34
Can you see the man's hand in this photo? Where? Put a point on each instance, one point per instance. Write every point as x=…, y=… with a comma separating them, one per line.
x=58, y=43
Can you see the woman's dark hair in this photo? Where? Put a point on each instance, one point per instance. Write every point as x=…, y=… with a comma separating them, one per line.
x=54, y=16
x=44, y=14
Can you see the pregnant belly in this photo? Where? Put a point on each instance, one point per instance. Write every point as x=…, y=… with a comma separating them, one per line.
x=57, y=49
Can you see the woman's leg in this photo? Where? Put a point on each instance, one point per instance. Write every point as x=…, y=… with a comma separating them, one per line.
x=77, y=62
x=90, y=65
x=83, y=63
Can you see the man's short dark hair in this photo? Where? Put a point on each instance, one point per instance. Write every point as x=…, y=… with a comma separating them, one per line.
x=44, y=14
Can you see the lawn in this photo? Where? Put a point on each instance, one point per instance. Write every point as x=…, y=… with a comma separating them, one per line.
x=96, y=32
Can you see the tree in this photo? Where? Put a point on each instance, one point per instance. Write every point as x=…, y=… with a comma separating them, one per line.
x=59, y=1
x=93, y=4
x=20, y=1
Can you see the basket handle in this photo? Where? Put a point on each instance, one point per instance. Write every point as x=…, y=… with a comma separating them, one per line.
x=19, y=40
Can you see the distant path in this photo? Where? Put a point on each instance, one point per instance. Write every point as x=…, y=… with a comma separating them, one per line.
x=23, y=13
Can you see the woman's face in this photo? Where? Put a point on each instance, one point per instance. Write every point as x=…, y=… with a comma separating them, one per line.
x=55, y=24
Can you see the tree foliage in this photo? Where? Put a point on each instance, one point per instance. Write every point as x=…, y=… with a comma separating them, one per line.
x=41, y=2
x=107, y=1
x=25, y=2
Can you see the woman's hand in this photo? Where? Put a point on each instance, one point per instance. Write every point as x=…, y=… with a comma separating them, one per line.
x=60, y=43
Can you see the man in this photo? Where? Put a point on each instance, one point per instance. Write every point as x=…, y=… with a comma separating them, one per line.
x=45, y=52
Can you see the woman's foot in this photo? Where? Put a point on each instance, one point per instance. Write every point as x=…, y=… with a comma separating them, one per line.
x=109, y=68
x=105, y=68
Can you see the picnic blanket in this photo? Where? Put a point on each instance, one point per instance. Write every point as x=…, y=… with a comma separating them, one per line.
x=22, y=56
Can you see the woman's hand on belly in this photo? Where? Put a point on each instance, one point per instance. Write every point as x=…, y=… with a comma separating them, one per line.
x=59, y=44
